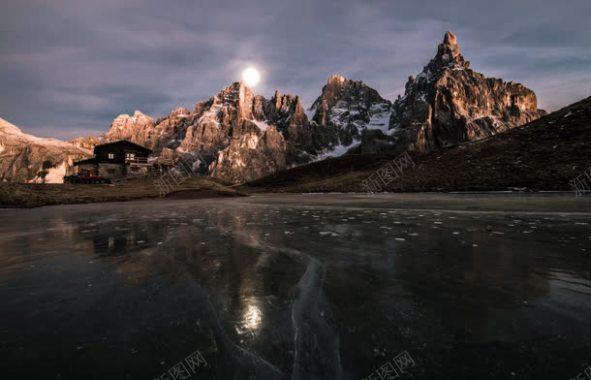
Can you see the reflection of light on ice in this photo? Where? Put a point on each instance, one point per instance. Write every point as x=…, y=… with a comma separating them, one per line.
x=251, y=319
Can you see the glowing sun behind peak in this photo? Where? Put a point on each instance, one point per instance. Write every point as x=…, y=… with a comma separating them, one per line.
x=251, y=76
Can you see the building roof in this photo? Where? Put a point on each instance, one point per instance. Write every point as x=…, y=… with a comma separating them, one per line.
x=124, y=142
x=87, y=161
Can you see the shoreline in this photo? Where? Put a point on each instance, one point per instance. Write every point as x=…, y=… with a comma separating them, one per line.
x=21, y=195
x=543, y=202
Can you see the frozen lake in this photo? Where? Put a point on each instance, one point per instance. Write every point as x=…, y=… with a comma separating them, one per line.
x=298, y=287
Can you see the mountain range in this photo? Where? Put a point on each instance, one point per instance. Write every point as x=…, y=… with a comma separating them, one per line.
x=244, y=137
x=544, y=154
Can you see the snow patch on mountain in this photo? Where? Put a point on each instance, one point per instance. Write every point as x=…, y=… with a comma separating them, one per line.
x=337, y=151
x=53, y=175
x=380, y=118
x=263, y=126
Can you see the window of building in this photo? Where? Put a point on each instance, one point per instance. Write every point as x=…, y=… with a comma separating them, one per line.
x=129, y=156
x=111, y=156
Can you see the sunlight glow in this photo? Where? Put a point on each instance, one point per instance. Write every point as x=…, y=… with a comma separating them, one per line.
x=252, y=318
x=251, y=76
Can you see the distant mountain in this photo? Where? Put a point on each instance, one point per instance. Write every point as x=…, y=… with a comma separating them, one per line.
x=544, y=154
x=449, y=103
x=243, y=136
x=355, y=115
x=87, y=143
x=26, y=158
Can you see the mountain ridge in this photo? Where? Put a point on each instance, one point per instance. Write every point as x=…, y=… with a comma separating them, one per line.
x=448, y=103
x=516, y=160
x=242, y=136
x=28, y=158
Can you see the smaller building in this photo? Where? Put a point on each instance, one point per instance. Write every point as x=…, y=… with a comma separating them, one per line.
x=116, y=159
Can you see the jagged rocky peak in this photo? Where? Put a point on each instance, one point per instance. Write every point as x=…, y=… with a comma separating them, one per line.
x=237, y=95
x=285, y=105
x=350, y=107
x=234, y=93
x=87, y=142
x=448, y=103
x=448, y=53
x=252, y=146
x=124, y=122
x=180, y=112
x=136, y=128
x=346, y=95
x=340, y=88
x=243, y=136
x=283, y=102
x=448, y=56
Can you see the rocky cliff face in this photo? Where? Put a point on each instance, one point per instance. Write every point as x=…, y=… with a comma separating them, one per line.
x=234, y=129
x=241, y=136
x=353, y=115
x=305, y=140
x=88, y=143
x=448, y=103
x=137, y=128
x=26, y=158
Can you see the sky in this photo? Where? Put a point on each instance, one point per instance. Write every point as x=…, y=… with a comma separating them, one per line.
x=68, y=67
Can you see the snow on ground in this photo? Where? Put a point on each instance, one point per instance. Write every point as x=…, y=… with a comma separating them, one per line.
x=54, y=175
x=337, y=112
x=337, y=151
x=380, y=119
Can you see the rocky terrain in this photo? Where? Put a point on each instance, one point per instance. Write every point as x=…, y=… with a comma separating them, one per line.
x=88, y=143
x=26, y=158
x=355, y=115
x=239, y=136
x=244, y=137
x=449, y=103
x=544, y=154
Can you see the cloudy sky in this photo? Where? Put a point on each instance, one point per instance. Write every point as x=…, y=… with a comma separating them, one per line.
x=68, y=67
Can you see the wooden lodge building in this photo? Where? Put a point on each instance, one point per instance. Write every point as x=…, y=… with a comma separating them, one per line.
x=117, y=159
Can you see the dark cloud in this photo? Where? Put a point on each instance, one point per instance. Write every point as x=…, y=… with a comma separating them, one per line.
x=67, y=67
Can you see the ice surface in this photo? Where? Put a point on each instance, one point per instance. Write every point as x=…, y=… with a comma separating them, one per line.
x=295, y=286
